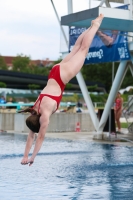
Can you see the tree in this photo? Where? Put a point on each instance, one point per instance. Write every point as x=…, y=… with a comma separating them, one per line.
x=76, y=97
x=101, y=73
x=21, y=63
x=128, y=80
x=3, y=63
x=57, y=61
x=33, y=87
x=2, y=85
x=92, y=88
x=68, y=86
x=41, y=71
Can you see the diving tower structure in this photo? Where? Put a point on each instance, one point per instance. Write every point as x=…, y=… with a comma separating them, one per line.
x=114, y=19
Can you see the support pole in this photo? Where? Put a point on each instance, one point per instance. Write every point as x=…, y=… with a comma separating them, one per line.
x=102, y=2
x=131, y=58
x=113, y=69
x=131, y=69
x=110, y=109
x=89, y=4
x=115, y=87
x=87, y=100
x=60, y=23
x=106, y=3
x=83, y=85
x=70, y=6
x=131, y=9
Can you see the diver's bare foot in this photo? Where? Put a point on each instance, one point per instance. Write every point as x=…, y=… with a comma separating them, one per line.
x=97, y=22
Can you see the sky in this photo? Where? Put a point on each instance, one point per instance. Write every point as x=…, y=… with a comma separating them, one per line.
x=30, y=27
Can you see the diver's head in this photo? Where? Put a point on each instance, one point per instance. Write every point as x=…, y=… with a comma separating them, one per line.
x=33, y=121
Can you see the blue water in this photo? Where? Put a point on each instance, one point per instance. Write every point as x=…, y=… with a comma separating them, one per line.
x=64, y=170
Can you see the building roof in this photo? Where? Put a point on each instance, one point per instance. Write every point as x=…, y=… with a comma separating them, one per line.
x=42, y=63
x=46, y=63
x=8, y=60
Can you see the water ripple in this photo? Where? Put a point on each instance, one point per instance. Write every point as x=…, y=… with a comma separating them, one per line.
x=6, y=156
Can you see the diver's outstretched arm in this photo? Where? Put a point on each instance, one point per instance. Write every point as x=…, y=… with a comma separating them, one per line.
x=30, y=140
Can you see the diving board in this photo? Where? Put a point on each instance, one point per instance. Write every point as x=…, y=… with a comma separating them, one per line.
x=114, y=19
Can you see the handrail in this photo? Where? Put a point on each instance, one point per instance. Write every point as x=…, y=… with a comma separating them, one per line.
x=18, y=105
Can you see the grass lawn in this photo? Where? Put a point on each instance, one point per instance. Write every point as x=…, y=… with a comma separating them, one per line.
x=124, y=125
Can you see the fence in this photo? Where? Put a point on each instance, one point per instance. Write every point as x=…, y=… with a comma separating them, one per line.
x=59, y=122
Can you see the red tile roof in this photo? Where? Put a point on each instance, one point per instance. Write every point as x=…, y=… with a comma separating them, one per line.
x=8, y=60
x=47, y=62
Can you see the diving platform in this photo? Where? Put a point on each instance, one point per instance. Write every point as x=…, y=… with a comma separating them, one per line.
x=114, y=19
x=120, y=19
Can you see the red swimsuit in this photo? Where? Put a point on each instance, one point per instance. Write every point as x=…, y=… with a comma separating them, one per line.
x=118, y=103
x=54, y=74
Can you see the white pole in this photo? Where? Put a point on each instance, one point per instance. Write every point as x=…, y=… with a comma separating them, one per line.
x=60, y=23
x=102, y=2
x=89, y=4
x=70, y=6
x=82, y=85
x=131, y=9
x=114, y=89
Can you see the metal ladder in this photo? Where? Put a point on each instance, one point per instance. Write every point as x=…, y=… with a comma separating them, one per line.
x=128, y=114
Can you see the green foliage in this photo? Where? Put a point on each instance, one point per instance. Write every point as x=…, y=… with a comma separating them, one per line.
x=8, y=98
x=32, y=99
x=76, y=97
x=57, y=61
x=41, y=71
x=130, y=92
x=125, y=97
x=101, y=73
x=128, y=80
x=21, y=63
x=3, y=63
x=124, y=125
x=33, y=86
x=95, y=98
x=2, y=85
x=92, y=88
x=68, y=86
x=32, y=69
x=68, y=99
x=99, y=98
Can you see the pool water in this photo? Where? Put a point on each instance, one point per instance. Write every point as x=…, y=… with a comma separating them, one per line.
x=64, y=170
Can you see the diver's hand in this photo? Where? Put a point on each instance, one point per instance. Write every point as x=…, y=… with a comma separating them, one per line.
x=30, y=161
x=24, y=161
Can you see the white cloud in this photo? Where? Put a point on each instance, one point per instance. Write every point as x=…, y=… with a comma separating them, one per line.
x=31, y=27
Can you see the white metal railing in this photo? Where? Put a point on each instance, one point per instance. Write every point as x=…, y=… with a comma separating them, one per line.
x=17, y=105
x=62, y=104
x=99, y=104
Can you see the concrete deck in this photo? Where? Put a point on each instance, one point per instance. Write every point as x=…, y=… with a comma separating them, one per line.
x=124, y=139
